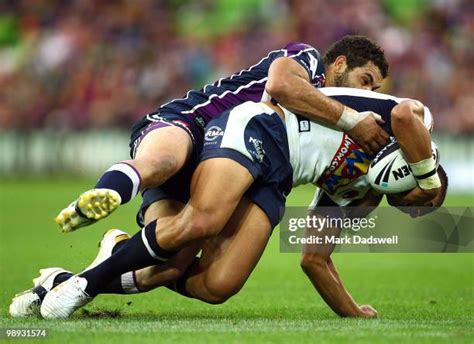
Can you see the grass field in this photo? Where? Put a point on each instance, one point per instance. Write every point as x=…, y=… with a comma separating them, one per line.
x=427, y=298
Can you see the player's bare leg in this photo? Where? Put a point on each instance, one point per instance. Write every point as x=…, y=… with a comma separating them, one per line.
x=160, y=155
x=228, y=259
x=28, y=302
x=204, y=216
x=217, y=187
x=161, y=275
x=225, y=264
x=244, y=233
x=153, y=276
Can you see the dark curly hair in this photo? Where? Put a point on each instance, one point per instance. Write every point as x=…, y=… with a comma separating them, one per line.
x=359, y=50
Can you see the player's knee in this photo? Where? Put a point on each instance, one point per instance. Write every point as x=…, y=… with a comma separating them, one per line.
x=163, y=167
x=221, y=288
x=200, y=226
x=155, y=170
x=189, y=229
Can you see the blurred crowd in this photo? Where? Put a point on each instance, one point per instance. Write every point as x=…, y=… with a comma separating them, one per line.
x=82, y=64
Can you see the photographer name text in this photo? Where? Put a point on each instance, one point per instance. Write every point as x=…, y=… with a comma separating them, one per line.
x=347, y=240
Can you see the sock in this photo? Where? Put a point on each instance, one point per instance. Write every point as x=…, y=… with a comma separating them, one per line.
x=125, y=284
x=115, y=286
x=63, y=276
x=40, y=291
x=122, y=178
x=118, y=246
x=138, y=252
x=179, y=286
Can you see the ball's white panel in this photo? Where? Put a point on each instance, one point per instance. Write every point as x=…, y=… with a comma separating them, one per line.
x=390, y=173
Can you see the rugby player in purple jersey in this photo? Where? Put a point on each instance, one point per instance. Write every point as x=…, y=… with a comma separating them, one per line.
x=165, y=145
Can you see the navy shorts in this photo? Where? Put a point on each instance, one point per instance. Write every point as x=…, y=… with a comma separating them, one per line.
x=251, y=134
x=255, y=136
x=179, y=185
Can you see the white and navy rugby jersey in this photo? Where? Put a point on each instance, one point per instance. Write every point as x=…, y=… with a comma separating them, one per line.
x=330, y=159
x=248, y=84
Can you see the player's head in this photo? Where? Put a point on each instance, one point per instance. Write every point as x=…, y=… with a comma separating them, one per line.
x=355, y=61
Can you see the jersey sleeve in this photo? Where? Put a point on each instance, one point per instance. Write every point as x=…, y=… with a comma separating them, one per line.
x=383, y=107
x=310, y=59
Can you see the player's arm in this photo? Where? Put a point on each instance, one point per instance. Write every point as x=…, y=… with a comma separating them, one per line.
x=289, y=83
x=414, y=138
x=320, y=269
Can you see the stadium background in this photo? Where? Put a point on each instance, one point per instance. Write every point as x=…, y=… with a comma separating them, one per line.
x=75, y=75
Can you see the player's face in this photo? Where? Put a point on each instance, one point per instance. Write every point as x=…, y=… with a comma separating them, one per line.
x=367, y=77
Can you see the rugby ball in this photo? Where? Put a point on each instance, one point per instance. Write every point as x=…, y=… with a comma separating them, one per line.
x=390, y=173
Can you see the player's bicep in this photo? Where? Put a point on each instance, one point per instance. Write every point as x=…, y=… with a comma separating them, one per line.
x=284, y=67
x=284, y=73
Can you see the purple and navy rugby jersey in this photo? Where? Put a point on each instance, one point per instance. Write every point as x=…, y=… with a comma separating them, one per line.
x=248, y=84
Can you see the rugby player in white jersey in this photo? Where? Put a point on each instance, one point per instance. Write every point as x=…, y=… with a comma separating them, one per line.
x=252, y=156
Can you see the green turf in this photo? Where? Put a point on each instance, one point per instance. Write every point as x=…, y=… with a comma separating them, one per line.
x=420, y=297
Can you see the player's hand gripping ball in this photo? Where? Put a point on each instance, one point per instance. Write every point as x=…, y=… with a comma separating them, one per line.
x=390, y=173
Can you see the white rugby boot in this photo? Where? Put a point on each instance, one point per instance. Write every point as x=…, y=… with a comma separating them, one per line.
x=91, y=206
x=28, y=303
x=111, y=238
x=65, y=298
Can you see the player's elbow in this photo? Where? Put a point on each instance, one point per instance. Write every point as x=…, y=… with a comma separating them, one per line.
x=406, y=112
x=281, y=77
x=277, y=88
x=313, y=262
x=401, y=115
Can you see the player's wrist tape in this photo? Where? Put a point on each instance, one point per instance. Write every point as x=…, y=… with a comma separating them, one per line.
x=426, y=174
x=350, y=118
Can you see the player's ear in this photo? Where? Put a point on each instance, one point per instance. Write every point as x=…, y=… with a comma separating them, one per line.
x=340, y=64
